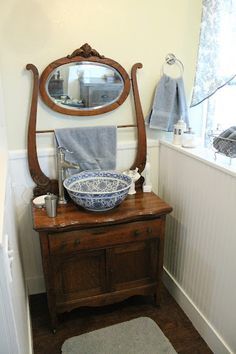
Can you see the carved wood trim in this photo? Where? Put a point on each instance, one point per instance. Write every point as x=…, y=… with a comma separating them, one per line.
x=85, y=51
x=140, y=160
x=44, y=184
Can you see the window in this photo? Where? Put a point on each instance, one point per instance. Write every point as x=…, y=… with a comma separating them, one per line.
x=215, y=80
x=225, y=106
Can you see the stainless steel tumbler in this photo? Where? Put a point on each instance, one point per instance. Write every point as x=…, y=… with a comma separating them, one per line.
x=51, y=205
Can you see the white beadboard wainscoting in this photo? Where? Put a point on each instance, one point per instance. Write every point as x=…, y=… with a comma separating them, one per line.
x=15, y=324
x=200, y=248
x=23, y=185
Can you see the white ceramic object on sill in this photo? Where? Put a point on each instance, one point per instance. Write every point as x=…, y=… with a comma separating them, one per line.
x=189, y=139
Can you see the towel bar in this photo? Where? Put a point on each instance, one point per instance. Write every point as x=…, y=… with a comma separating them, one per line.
x=119, y=126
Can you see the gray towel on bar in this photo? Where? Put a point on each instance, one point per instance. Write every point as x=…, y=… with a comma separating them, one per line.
x=93, y=147
x=169, y=104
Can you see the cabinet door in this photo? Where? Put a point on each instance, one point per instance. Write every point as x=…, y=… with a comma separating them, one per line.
x=134, y=264
x=79, y=275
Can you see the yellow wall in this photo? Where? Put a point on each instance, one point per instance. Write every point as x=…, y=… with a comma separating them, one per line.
x=128, y=31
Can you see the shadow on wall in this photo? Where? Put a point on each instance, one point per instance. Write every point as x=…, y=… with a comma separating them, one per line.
x=186, y=264
x=30, y=248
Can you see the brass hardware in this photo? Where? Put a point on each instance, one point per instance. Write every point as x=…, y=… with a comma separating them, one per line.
x=77, y=242
x=149, y=230
x=137, y=233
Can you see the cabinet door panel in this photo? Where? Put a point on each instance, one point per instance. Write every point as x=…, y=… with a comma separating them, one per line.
x=134, y=264
x=80, y=275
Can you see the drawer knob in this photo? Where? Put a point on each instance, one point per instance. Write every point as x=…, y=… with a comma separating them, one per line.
x=77, y=242
x=149, y=230
x=137, y=233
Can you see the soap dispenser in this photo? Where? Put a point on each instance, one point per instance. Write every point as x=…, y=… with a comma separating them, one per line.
x=181, y=124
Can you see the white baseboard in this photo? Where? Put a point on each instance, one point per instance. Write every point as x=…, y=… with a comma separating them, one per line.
x=203, y=326
x=30, y=336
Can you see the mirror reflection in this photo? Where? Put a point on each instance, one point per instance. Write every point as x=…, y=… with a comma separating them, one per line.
x=84, y=85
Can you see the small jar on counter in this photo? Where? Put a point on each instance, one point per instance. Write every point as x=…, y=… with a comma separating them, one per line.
x=189, y=139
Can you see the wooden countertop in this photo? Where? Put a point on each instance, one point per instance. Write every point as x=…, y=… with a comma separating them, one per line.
x=69, y=216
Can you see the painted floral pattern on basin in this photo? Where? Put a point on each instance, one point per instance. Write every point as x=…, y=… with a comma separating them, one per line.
x=98, y=190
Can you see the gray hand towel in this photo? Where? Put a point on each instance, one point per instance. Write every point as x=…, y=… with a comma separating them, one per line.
x=93, y=147
x=169, y=104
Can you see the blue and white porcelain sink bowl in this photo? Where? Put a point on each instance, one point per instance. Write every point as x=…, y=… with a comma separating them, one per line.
x=98, y=190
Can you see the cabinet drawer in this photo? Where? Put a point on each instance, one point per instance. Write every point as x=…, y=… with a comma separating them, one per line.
x=99, y=237
x=99, y=96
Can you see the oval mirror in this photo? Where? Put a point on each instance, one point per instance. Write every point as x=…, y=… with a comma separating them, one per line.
x=84, y=84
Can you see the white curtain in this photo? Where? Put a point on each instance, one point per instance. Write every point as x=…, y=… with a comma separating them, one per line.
x=216, y=64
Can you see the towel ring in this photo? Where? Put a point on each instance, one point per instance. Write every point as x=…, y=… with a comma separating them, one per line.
x=171, y=59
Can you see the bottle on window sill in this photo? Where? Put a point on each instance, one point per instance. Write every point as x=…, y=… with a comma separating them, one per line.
x=179, y=129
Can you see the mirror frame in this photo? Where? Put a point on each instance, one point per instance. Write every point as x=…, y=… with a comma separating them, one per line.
x=44, y=184
x=84, y=53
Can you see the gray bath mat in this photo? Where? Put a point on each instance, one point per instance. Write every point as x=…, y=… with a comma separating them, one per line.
x=139, y=336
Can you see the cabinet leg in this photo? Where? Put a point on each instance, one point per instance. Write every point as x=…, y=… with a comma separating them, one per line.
x=54, y=322
x=156, y=300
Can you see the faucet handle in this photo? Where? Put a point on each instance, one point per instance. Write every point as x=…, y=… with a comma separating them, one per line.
x=63, y=149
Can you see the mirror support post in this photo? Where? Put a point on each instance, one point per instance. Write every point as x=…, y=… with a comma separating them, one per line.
x=43, y=183
x=140, y=160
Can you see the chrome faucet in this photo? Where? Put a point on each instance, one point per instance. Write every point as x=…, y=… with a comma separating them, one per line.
x=62, y=165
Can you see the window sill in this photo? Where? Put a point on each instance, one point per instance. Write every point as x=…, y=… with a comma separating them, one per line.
x=205, y=155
